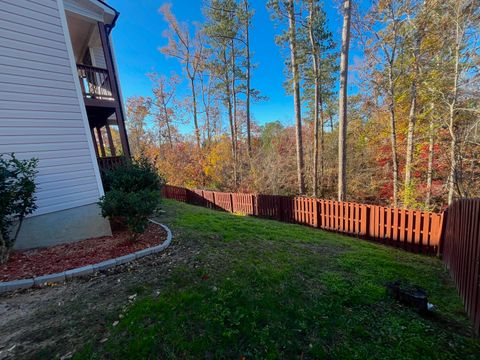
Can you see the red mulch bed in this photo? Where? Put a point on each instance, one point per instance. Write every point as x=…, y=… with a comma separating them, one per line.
x=30, y=263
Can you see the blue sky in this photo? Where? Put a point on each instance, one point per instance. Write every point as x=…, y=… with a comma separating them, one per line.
x=138, y=35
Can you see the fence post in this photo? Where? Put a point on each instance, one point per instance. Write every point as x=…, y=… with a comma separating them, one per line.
x=231, y=203
x=278, y=207
x=365, y=219
x=441, y=240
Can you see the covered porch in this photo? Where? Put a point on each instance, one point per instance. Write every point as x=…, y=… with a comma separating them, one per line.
x=99, y=85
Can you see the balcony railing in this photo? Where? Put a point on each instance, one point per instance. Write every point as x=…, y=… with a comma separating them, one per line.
x=95, y=82
x=110, y=162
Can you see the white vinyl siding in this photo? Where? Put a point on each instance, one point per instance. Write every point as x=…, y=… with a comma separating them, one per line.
x=98, y=58
x=40, y=114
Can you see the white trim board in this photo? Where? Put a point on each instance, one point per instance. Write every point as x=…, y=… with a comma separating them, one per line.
x=75, y=6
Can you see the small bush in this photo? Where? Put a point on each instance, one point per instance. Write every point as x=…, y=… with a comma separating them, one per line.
x=134, y=176
x=17, y=200
x=134, y=194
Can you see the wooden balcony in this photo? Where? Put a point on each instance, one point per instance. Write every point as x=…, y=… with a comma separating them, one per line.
x=96, y=86
x=100, y=91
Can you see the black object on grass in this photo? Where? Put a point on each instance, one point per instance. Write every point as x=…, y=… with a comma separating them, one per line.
x=409, y=295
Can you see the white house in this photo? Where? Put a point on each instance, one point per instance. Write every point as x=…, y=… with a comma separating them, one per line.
x=60, y=102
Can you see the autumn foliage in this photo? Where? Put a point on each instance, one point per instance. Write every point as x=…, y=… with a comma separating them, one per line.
x=413, y=136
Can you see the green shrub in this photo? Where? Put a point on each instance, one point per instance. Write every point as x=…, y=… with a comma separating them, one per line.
x=133, y=195
x=17, y=188
x=134, y=176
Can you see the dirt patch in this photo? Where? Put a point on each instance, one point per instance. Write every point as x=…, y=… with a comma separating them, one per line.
x=56, y=321
x=37, y=262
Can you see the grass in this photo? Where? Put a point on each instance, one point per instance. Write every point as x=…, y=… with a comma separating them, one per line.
x=260, y=289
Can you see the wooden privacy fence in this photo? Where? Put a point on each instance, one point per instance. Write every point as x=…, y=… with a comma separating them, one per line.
x=454, y=234
x=413, y=230
x=461, y=253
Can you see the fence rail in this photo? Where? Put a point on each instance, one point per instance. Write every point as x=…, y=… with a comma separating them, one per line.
x=454, y=234
x=413, y=230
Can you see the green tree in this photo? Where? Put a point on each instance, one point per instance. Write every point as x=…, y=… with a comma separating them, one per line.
x=17, y=198
x=318, y=72
x=222, y=29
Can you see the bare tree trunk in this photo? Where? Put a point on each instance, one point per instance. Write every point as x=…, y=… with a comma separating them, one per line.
x=315, y=147
x=167, y=122
x=393, y=135
x=235, y=123
x=247, y=104
x=207, y=119
x=342, y=104
x=412, y=120
x=410, y=139
x=230, y=116
x=296, y=97
x=452, y=178
x=431, y=144
x=195, y=118
x=313, y=48
x=322, y=146
x=206, y=106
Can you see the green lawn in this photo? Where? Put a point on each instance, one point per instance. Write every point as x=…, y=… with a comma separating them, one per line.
x=262, y=289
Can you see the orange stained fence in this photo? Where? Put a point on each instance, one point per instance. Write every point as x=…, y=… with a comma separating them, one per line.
x=413, y=230
x=453, y=234
x=461, y=253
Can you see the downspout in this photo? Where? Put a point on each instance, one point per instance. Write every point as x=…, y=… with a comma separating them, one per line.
x=109, y=27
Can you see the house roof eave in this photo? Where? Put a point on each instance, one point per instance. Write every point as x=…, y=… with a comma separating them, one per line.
x=98, y=10
x=117, y=14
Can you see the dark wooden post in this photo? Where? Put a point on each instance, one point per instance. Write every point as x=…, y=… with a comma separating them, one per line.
x=100, y=141
x=110, y=140
x=114, y=86
x=81, y=77
x=95, y=144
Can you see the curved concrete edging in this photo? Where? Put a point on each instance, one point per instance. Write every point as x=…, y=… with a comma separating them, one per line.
x=7, y=286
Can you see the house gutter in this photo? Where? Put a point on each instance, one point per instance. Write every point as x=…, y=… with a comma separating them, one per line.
x=109, y=27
